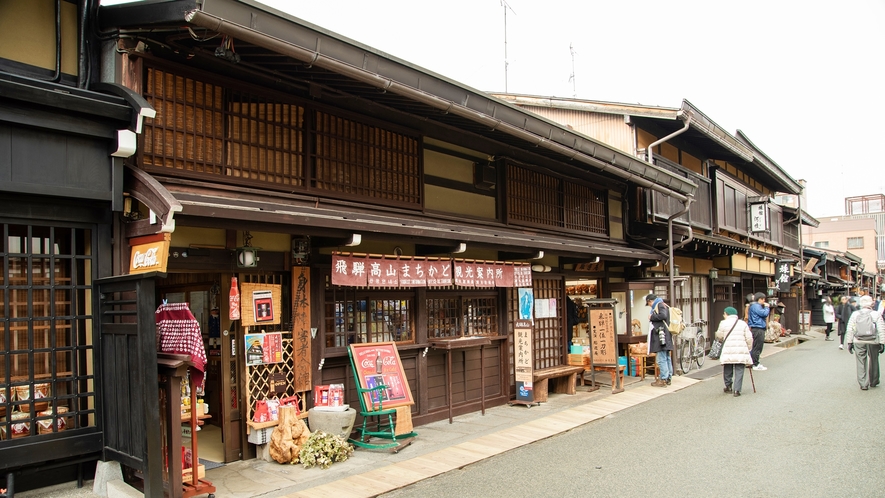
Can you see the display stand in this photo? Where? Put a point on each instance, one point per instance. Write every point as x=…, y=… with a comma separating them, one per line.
x=603, y=344
x=195, y=486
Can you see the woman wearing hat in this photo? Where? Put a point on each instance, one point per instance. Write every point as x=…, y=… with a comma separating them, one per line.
x=737, y=339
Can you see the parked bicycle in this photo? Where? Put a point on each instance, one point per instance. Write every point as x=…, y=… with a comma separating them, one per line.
x=694, y=346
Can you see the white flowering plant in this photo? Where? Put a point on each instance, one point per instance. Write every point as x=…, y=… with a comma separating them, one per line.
x=323, y=449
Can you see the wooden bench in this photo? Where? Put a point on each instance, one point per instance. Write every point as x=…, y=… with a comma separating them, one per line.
x=564, y=378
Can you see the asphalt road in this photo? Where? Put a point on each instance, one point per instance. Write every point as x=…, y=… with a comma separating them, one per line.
x=808, y=431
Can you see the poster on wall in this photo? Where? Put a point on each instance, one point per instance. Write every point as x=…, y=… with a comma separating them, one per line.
x=377, y=364
x=260, y=304
x=264, y=349
x=526, y=302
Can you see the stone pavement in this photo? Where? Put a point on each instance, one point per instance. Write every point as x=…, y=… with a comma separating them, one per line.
x=440, y=446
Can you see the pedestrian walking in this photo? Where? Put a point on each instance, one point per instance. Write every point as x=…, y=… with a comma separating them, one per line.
x=660, y=341
x=843, y=314
x=737, y=339
x=758, y=315
x=829, y=316
x=866, y=339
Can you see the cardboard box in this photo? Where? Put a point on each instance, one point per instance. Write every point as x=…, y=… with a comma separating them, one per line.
x=186, y=473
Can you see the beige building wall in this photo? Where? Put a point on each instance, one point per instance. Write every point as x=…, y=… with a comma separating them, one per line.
x=835, y=232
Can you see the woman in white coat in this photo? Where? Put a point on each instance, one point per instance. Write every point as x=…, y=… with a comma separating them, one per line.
x=829, y=316
x=737, y=341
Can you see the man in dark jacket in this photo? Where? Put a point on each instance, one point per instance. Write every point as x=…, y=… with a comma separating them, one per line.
x=660, y=341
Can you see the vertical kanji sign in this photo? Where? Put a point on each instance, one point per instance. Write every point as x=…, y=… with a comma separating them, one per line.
x=522, y=361
x=603, y=346
x=301, y=328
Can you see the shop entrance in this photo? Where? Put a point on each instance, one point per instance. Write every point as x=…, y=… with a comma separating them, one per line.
x=219, y=438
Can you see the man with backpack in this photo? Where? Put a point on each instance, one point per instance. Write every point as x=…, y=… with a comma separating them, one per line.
x=866, y=339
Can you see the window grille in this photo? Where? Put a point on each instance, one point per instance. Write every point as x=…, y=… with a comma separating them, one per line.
x=547, y=337
x=46, y=336
x=367, y=161
x=358, y=315
x=461, y=316
x=543, y=200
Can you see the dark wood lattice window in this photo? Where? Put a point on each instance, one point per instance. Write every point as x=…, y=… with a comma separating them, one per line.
x=539, y=199
x=547, y=336
x=46, y=336
x=358, y=159
x=205, y=129
x=460, y=316
x=357, y=315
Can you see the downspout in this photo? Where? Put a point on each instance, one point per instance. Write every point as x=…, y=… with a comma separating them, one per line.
x=686, y=202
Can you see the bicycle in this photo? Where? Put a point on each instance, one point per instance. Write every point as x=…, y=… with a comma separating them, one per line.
x=693, y=349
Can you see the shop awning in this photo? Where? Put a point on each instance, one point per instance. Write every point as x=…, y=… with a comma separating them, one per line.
x=246, y=209
x=724, y=242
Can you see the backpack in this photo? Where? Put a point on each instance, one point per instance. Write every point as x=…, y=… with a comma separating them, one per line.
x=676, y=325
x=866, y=326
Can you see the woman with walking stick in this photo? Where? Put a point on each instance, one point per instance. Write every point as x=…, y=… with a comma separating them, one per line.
x=737, y=339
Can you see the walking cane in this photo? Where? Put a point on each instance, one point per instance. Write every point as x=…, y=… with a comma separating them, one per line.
x=751, y=379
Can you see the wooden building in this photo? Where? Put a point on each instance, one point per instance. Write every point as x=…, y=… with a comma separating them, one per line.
x=733, y=238
x=270, y=148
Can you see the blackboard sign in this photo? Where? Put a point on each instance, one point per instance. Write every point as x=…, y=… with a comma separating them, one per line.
x=603, y=343
x=378, y=363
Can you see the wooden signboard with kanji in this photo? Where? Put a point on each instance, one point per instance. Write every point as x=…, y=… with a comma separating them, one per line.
x=603, y=342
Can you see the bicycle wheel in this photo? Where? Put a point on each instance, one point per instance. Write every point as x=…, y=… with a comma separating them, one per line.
x=701, y=349
x=685, y=356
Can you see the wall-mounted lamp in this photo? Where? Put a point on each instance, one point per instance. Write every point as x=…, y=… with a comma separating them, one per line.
x=714, y=273
x=541, y=269
x=247, y=256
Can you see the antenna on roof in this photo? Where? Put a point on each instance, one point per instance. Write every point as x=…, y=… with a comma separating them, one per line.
x=571, y=78
x=506, y=6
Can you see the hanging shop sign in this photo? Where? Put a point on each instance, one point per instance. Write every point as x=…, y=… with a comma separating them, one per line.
x=301, y=331
x=264, y=349
x=759, y=221
x=782, y=275
x=149, y=253
x=399, y=271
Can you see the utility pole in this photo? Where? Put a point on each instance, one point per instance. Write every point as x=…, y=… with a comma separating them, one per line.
x=506, y=6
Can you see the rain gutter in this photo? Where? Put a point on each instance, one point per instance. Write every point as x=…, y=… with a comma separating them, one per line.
x=315, y=58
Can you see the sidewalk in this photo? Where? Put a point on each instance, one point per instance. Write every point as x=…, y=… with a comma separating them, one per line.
x=440, y=447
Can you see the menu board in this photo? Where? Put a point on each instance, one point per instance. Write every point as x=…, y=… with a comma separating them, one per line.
x=603, y=343
x=378, y=363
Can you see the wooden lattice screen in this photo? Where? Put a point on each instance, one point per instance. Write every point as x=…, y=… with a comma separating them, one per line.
x=547, y=334
x=540, y=199
x=359, y=159
x=233, y=136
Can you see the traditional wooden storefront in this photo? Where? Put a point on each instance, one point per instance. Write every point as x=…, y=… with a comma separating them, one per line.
x=320, y=162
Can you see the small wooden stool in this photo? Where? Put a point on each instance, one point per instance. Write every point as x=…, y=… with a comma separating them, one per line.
x=642, y=364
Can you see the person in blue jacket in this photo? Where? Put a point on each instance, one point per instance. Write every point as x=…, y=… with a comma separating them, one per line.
x=757, y=319
x=660, y=341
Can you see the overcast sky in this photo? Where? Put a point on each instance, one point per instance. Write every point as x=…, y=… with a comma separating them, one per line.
x=803, y=80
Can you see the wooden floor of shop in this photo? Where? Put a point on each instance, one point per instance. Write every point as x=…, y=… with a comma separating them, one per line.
x=395, y=476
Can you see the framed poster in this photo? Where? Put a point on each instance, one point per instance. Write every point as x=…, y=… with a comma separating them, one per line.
x=264, y=349
x=260, y=304
x=378, y=363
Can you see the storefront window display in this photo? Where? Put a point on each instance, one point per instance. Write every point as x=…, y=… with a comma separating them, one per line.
x=460, y=316
x=358, y=316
